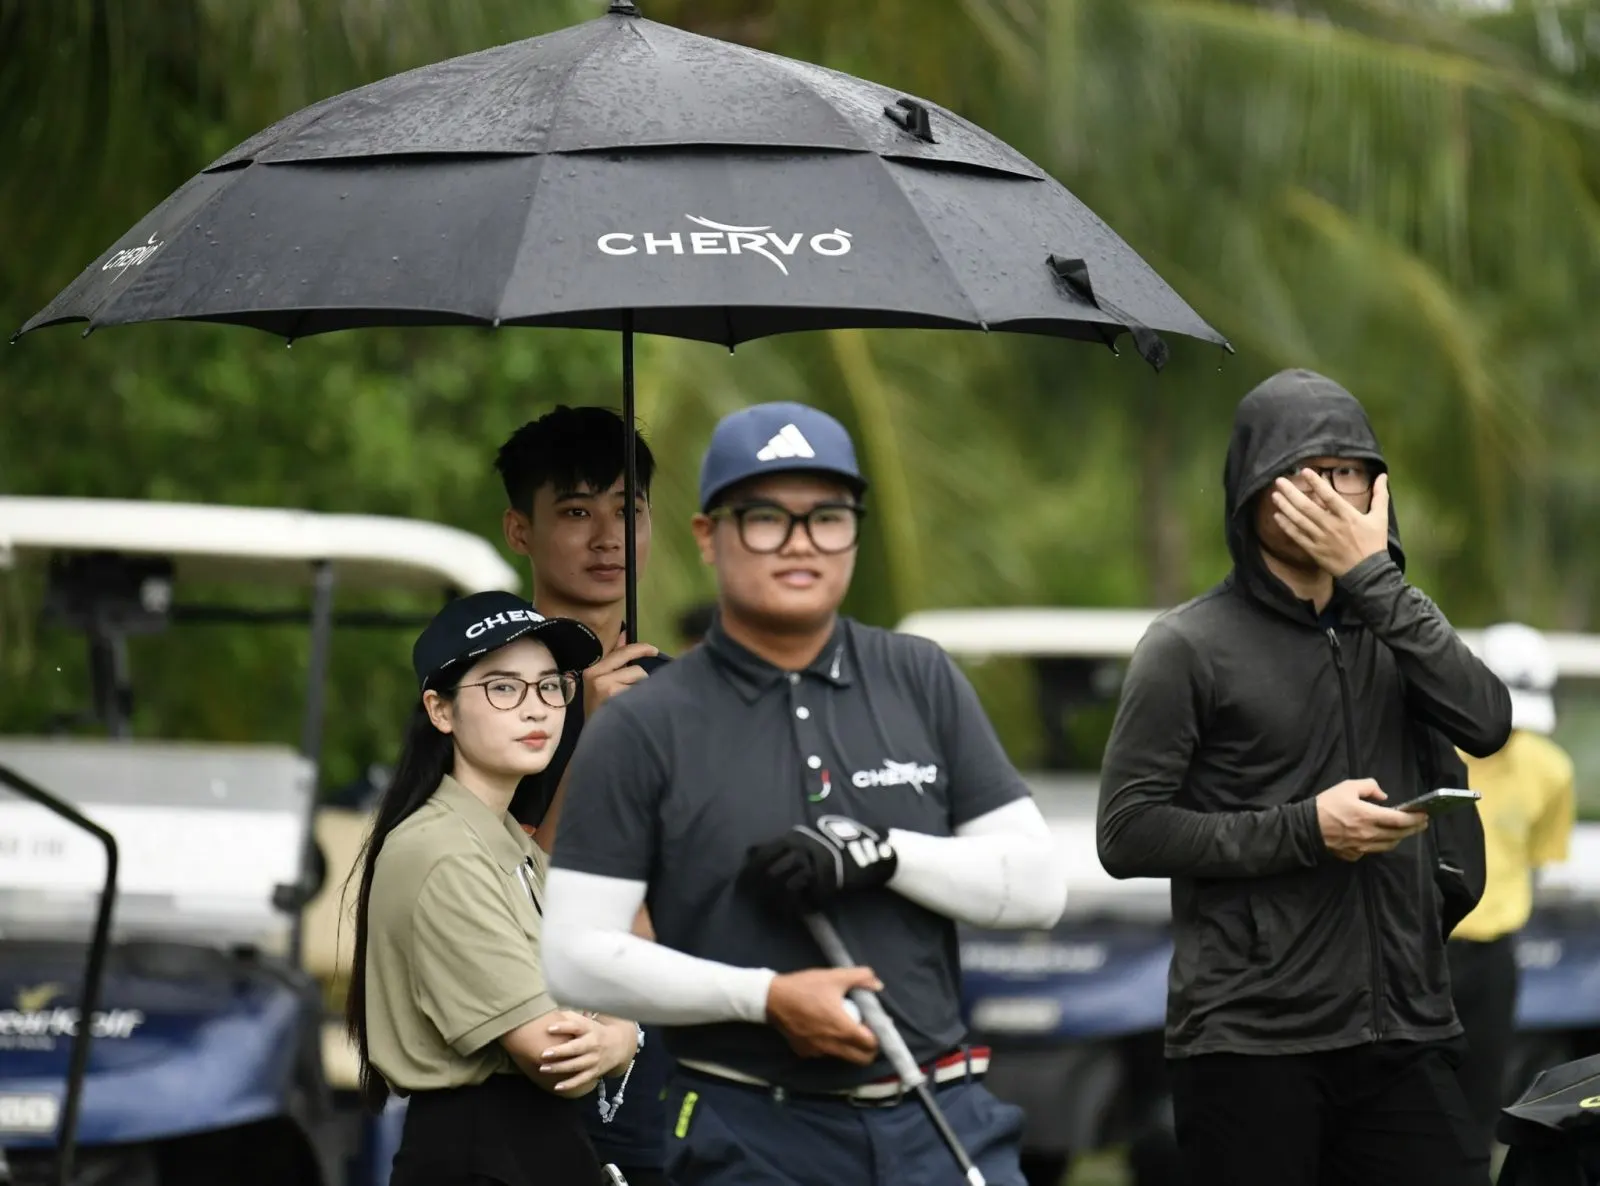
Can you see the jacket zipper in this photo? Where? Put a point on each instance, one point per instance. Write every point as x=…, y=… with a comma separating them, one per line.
x=1374, y=951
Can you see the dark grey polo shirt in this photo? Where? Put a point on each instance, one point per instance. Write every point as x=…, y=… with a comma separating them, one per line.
x=720, y=750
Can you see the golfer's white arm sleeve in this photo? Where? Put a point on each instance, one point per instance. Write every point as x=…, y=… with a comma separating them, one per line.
x=1001, y=869
x=592, y=960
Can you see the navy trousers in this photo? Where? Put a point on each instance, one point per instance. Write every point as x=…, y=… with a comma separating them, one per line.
x=726, y=1134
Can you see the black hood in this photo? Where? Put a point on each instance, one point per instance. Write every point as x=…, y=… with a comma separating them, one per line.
x=1288, y=418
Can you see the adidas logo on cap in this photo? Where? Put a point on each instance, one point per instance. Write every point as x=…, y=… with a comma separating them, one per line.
x=789, y=442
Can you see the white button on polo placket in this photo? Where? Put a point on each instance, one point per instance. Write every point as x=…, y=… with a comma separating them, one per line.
x=808, y=741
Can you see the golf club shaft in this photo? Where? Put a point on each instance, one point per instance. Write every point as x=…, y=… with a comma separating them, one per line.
x=876, y=1018
x=873, y=1014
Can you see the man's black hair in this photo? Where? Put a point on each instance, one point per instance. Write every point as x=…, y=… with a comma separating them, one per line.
x=571, y=450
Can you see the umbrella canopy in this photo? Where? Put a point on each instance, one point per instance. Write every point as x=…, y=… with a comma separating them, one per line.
x=1553, y=1129
x=1562, y=1102
x=623, y=174
x=622, y=166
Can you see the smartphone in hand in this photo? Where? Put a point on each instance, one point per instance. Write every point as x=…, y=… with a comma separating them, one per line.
x=1440, y=801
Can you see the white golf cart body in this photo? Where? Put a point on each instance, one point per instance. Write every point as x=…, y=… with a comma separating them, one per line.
x=213, y=1052
x=1075, y=1014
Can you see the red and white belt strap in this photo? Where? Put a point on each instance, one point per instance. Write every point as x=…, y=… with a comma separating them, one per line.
x=970, y=1061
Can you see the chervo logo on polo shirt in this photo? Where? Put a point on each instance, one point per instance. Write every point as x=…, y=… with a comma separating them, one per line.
x=479, y=629
x=897, y=774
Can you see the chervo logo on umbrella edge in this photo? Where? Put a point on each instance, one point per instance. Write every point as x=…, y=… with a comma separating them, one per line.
x=132, y=257
x=722, y=239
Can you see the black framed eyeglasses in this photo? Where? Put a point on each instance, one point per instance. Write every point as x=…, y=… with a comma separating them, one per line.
x=766, y=527
x=506, y=692
x=1345, y=479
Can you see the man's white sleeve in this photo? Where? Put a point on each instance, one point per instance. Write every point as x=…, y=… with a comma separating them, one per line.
x=1001, y=869
x=592, y=960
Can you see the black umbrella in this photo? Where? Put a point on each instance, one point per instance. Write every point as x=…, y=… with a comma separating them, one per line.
x=626, y=175
x=1553, y=1129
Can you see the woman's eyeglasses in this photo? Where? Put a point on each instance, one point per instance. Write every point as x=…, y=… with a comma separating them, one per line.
x=506, y=692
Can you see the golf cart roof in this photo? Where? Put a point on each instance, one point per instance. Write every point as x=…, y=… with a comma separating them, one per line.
x=258, y=544
x=1113, y=633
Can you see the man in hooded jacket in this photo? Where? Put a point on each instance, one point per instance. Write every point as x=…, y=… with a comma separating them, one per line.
x=1310, y=1032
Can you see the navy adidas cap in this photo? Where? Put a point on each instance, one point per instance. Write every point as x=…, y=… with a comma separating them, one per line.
x=472, y=626
x=776, y=438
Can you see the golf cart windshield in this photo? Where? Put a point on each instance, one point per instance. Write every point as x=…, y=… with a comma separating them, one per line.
x=206, y=835
x=214, y=840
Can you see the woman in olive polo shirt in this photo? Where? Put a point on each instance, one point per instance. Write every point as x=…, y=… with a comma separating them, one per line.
x=447, y=998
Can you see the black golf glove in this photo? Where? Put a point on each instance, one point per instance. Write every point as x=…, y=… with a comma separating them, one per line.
x=808, y=867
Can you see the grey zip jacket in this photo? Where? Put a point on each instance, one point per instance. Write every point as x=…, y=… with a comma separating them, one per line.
x=1237, y=710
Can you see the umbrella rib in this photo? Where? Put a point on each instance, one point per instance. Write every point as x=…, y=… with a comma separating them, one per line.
x=527, y=222
x=800, y=75
x=800, y=72
x=890, y=168
x=96, y=318
x=556, y=115
x=580, y=60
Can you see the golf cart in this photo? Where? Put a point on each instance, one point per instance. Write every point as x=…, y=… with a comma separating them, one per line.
x=212, y=1054
x=1075, y=1015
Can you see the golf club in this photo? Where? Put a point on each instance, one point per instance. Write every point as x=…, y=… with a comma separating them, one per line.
x=877, y=1019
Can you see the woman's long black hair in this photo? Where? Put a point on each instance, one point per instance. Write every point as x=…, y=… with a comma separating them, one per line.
x=426, y=757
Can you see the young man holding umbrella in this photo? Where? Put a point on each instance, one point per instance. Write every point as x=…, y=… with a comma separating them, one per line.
x=797, y=761
x=564, y=491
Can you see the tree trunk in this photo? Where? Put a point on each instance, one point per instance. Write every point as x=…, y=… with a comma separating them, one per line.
x=1164, y=540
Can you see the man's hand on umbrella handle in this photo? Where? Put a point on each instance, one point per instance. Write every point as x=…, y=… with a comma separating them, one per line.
x=808, y=1008
x=612, y=673
x=1353, y=824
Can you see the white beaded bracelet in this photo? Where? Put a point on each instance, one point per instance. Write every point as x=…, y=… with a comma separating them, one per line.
x=608, y=1107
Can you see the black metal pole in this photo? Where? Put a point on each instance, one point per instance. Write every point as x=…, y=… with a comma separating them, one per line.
x=317, y=663
x=630, y=488
x=94, y=974
x=108, y=675
x=311, y=731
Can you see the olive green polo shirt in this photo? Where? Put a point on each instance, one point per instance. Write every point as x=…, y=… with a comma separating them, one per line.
x=452, y=943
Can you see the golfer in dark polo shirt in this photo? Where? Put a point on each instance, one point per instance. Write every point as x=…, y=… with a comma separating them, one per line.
x=725, y=792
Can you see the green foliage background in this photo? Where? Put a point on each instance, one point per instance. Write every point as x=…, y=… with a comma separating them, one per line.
x=1405, y=195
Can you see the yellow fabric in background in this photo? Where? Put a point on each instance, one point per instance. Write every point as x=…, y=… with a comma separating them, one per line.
x=1528, y=808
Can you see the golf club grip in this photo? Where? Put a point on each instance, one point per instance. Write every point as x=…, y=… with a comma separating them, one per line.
x=873, y=1015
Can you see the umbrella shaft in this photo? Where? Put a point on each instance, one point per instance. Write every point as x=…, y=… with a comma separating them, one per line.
x=630, y=480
